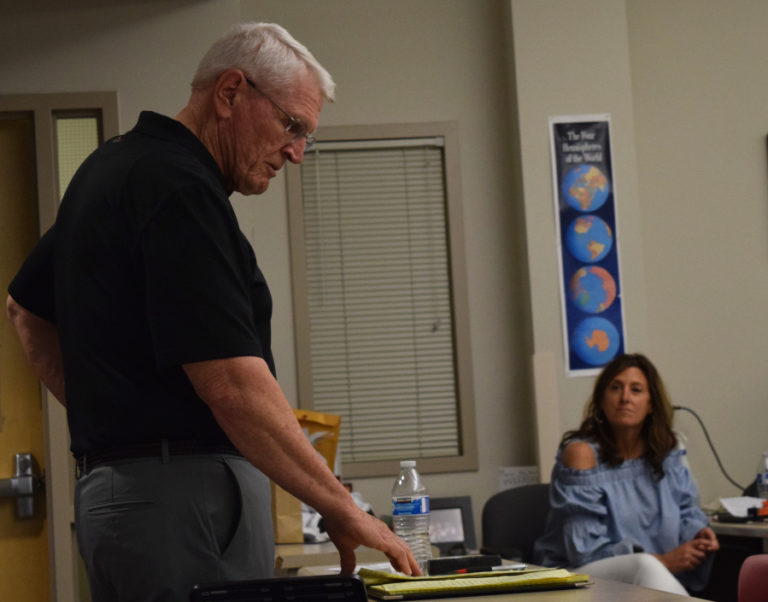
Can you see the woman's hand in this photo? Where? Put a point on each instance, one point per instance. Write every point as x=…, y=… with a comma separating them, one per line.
x=692, y=553
x=684, y=557
x=707, y=540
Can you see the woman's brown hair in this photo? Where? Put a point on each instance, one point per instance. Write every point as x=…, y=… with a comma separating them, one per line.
x=657, y=428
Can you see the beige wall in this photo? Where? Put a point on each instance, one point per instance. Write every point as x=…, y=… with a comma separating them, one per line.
x=701, y=120
x=437, y=60
x=558, y=48
x=395, y=61
x=688, y=114
x=684, y=84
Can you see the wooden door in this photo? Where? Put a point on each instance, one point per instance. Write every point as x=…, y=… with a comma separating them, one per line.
x=24, y=572
x=29, y=198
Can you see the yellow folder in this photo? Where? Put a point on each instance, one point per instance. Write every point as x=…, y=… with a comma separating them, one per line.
x=389, y=586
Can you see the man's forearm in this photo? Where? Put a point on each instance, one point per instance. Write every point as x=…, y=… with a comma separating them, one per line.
x=40, y=342
x=250, y=407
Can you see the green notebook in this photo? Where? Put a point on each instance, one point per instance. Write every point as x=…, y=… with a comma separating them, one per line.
x=388, y=586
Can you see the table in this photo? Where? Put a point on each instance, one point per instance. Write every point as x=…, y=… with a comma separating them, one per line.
x=757, y=530
x=602, y=590
x=323, y=559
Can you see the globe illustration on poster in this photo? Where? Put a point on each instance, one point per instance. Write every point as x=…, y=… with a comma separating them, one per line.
x=596, y=341
x=589, y=238
x=592, y=289
x=585, y=188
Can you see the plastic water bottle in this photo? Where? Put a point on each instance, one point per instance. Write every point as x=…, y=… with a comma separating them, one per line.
x=410, y=514
x=762, y=477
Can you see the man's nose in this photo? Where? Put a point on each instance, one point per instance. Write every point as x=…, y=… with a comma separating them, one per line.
x=294, y=151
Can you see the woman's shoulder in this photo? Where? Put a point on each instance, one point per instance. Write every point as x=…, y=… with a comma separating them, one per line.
x=579, y=455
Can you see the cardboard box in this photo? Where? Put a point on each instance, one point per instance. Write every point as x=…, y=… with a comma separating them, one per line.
x=286, y=516
x=323, y=432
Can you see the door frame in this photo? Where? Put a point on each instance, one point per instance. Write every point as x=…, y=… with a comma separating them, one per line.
x=59, y=465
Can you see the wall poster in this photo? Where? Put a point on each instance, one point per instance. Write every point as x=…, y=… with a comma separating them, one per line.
x=585, y=213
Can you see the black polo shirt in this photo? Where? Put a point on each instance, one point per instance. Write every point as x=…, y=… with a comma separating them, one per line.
x=150, y=271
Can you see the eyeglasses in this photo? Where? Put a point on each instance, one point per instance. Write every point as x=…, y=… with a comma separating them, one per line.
x=295, y=128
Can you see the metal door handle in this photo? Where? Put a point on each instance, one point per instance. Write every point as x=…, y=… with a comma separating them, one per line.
x=23, y=485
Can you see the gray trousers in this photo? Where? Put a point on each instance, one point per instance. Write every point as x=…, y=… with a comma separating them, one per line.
x=148, y=530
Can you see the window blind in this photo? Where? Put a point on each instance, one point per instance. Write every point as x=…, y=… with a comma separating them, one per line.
x=379, y=297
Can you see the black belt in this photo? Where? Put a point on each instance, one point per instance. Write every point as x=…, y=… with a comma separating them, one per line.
x=162, y=450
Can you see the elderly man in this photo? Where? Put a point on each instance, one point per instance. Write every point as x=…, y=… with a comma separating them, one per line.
x=144, y=311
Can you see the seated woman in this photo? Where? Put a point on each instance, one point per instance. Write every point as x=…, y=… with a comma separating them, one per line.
x=623, y=504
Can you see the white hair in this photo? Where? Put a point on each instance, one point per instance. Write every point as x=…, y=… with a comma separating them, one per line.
x=267, y=53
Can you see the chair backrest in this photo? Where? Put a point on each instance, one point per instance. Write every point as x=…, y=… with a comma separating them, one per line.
x=513, y=519
x=753, y=579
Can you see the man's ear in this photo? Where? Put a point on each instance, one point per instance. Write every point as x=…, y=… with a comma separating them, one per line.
x=228, y=86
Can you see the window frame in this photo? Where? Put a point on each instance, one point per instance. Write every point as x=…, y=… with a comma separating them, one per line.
x=466, y=459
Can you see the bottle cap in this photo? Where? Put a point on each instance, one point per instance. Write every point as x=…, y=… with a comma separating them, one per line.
x=407, y=463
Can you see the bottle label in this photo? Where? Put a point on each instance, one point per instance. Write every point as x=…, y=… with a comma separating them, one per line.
x=419, y=505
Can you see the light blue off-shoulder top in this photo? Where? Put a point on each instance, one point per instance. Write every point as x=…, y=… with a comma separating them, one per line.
x=607, y=511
